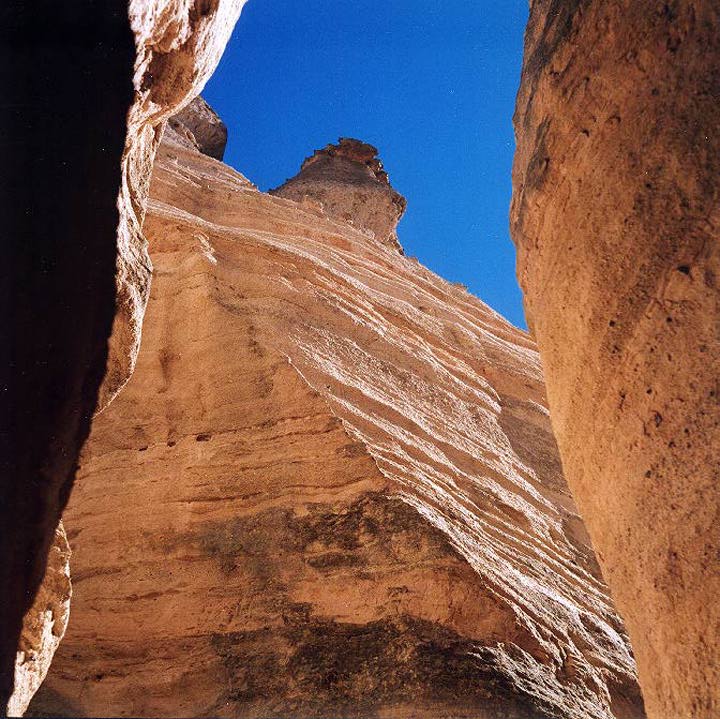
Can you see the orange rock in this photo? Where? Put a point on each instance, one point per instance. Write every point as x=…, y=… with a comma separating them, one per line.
x=179, y=45
x=44, y=626
x=349, y=183
x=615, y=218
x=329, y=489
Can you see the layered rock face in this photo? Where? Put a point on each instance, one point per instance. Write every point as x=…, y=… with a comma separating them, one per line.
x=87, y=88
x=179, y=44
x=615, y=216
x=329, y=489
x=198, y=126
x=349, y=183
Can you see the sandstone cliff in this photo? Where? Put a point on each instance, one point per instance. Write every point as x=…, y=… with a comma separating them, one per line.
x=615, y=217
x=87, y=87
x=329, y=489
x=179, y=45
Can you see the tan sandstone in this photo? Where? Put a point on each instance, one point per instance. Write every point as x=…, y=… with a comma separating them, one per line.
x=615, y=216
x=329, y=489
x=198, y=126
x=349, y=183
x=179, y=44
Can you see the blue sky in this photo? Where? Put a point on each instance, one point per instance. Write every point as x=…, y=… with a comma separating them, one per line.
x=431, y=84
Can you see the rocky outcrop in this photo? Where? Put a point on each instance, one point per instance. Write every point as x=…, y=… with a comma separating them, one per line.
x=615, y=217
x=350, y=184
x=75, y=263
x=198, y=126
x=329, y=489
x=44, y=625
x=179, y=45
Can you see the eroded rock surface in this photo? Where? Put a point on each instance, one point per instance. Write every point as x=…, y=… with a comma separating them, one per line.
x=44, y=625
x=329, y=489
x=85, y=99
x=615, y=216
x=198, y=126
x=350, y=184
x=179, y=44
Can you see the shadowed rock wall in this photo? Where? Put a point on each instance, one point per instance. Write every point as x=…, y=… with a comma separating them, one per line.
x=66, y=71
x=198, y=126
x=615, y=217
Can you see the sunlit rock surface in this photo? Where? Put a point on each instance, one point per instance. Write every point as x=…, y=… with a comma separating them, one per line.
x=329, y=489
x=44, y=626
x=179, y=44
x=615, y=216
x=349, y=183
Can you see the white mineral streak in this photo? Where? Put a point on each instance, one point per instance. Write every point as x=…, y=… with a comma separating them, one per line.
x=427, y=377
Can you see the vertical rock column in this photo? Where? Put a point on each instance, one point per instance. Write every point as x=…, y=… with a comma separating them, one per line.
x=615, y=217
x=349, y=183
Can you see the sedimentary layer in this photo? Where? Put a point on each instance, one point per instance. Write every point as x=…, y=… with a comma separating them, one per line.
x=329, y=489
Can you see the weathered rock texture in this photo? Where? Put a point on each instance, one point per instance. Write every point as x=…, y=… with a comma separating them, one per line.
x=179, y=44
x=329, y=489
x=44, y=625
x=198, y=126
x=75, y=136
x=350, y=184
x=615, y=216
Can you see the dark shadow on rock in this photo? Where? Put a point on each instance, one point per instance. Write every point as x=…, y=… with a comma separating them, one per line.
x=67, y=85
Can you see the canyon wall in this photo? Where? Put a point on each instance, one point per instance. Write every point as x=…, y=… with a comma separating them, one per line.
x=615, y=217
x=179, y=44
x=330, y=487
x=87, y=87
